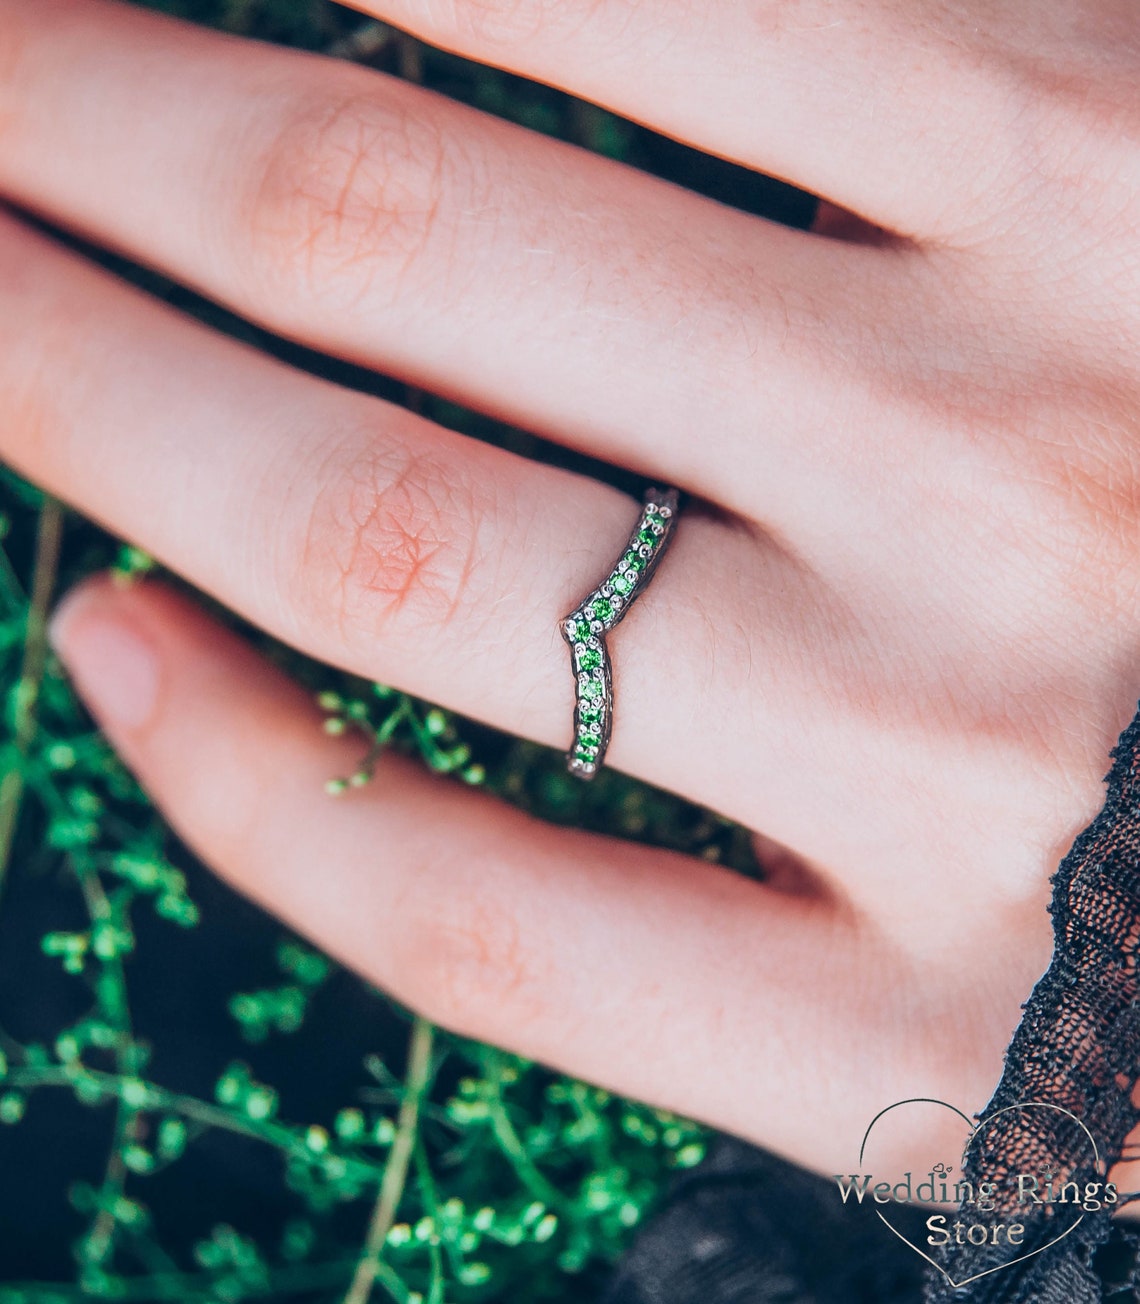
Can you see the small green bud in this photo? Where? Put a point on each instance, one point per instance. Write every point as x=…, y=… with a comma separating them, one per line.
x=171, y=1138
x=129, y=1212
x=349, y=1124
x=228, y=1089
x=12, y=1106
x=546, y=1228
x=134, y=1093
x=137, y=1159
x=89, y=1091
x=67, y=1047
x=261, y=1103
x=60, y=756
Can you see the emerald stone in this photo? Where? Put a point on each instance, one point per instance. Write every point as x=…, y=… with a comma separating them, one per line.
x=621, y=584
x=602, y=608
x=590, y=659
x=647, y=536
x=592, y=741
x=592, y=689
x=582, y=630
x=590, y=714
x=634, y=563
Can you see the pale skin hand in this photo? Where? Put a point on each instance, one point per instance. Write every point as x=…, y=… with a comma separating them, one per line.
x=902, y=647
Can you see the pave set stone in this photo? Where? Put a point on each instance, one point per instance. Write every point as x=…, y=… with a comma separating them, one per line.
x=589, y=661
x=585, y=631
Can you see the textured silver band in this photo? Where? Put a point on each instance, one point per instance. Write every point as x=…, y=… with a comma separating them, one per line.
x=586, y=627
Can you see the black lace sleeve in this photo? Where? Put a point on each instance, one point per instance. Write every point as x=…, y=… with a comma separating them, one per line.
x=1077, y=1046
x=745, y=1228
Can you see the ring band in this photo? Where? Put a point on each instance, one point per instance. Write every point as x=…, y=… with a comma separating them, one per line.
x=586, y=627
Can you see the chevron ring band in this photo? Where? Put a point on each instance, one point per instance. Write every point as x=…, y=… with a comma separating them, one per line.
x=586, y=627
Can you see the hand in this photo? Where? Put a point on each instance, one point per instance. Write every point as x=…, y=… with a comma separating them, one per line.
x=900, y=642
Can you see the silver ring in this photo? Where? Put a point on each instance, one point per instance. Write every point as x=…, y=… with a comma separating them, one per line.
x=586, y=627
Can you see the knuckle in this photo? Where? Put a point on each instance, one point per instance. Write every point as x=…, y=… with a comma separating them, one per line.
x=1059, y=511
x=1074, y=126
x=348, y=191
x=1094, y=500
x=392, y=543
x=464, y=960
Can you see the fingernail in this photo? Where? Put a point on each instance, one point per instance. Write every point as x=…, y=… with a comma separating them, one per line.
x=113, y=662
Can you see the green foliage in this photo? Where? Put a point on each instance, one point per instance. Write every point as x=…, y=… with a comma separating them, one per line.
x=519, y=1180
x=471, y=1175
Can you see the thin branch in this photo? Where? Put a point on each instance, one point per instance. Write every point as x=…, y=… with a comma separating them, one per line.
x=396, y=1170
x=49, y=535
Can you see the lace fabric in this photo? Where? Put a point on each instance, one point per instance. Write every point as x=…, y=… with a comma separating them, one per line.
x=1077, y=1046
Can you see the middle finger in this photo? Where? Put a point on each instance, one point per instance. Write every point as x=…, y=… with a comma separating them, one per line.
x=385, y=224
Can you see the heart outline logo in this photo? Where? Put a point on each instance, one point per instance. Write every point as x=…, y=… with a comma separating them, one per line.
x=975, y=1129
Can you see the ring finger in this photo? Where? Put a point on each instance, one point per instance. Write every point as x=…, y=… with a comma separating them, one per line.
x=375, y=540
x=371, y=538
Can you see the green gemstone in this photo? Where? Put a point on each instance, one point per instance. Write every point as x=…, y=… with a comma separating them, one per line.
x=633, y=562
x=590, y=659
x=592, y=689
x=582, y=631
x=621, y=584
x=602, y=608
x=592, y=741
x=647, y=536
x=590, y=714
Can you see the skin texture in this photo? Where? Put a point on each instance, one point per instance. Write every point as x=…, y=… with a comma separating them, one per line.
x=898, y=636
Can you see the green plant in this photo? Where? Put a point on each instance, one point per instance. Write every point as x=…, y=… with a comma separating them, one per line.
x=450, y=1170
